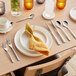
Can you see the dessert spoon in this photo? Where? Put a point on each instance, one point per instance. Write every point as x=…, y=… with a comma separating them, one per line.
x=63, y=40
x=58, y=24
x=65, y=24
x=30, y=17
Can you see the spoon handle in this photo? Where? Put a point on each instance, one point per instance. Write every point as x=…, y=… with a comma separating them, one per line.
x=72, y=33
x=63, y=40
x=66, y=35
x=22, y=20
x=58, y=42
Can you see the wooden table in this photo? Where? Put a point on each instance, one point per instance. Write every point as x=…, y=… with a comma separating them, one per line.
x=61, y=15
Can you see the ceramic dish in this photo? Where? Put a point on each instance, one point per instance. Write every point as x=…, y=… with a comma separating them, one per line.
x=45, y=36
x=73, y=13
x=6, y=30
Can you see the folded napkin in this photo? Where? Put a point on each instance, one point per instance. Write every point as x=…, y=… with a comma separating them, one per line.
x=36, y=43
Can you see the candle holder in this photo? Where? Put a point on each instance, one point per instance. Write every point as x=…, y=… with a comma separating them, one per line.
x=61, y=4
x=28, y=4
x=2, y=7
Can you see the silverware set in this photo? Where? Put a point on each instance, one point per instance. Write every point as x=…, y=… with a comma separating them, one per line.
x=58, y=24
x=6, y=49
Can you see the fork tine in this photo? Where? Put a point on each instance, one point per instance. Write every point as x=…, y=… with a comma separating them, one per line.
x=6, y=49
x=8, y=41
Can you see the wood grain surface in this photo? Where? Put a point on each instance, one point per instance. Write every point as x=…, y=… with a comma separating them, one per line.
x=61, y=15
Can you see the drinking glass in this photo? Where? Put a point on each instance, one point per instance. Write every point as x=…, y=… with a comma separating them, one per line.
x=61, y=4
x=28, y=4
x=15, y=7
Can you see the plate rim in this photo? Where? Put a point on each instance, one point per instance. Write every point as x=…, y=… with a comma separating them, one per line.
x=23, y=48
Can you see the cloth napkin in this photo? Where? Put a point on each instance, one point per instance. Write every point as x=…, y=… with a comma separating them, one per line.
x=36, y=43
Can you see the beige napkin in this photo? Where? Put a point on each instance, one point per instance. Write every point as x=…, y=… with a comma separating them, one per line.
x=36, y=43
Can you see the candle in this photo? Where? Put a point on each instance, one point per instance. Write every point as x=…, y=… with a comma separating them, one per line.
x=28, y=4
x=2, y=7
x=61, y=4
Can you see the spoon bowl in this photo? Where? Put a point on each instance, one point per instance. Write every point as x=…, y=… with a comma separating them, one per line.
x=65, y=23
x=31, y=16
x=58, y=24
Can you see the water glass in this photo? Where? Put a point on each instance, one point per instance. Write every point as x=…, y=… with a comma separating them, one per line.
x=15, y=7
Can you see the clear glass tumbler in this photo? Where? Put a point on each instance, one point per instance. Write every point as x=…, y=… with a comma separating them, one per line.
x=15, y=7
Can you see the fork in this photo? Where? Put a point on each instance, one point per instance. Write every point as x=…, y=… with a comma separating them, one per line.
x=6, y=49
x=10, y=45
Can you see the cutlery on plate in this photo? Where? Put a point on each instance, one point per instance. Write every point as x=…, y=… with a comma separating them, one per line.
x=58, y=42
x=58, y=24
x=65, y=24
x=30, y=17
x=6, y=49
x=63, y=40
x=10, y=45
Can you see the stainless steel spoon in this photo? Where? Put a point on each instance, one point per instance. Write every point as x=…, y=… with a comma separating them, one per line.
x=58, y=24
x=58, y=42
x=63, y=40
x=30, y=17
x=65, y=24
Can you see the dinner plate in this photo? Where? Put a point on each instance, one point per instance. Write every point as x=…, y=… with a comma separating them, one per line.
x=20, y=34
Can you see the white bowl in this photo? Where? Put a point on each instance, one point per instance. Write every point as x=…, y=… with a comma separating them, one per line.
x=4, y=23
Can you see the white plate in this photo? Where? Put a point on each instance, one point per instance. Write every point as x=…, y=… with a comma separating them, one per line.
x=7, y=30
x=27, y=52
x=73, y=13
